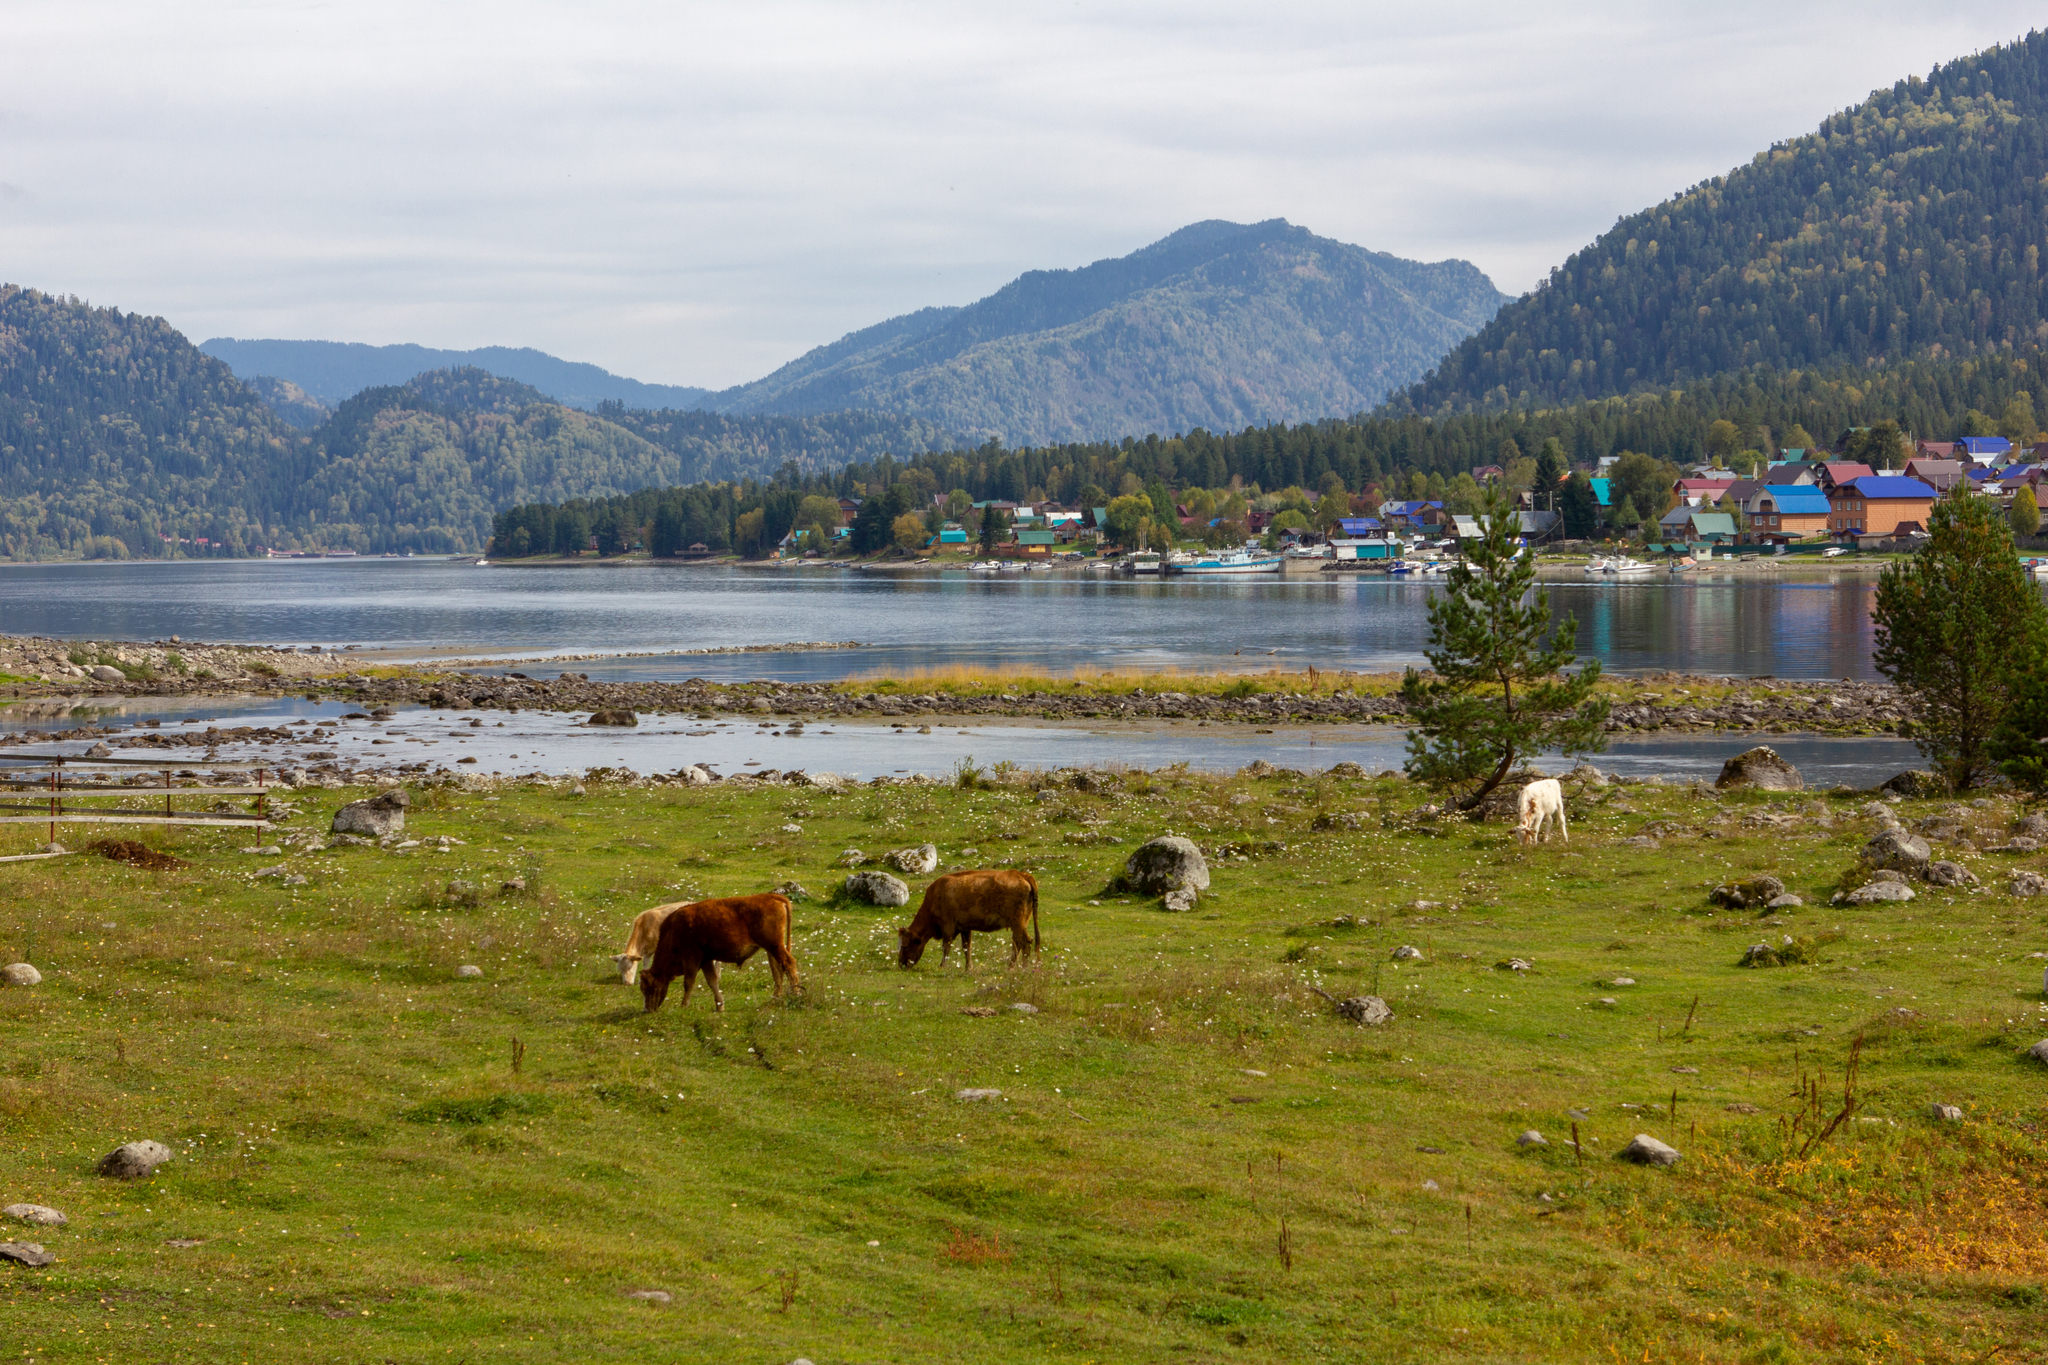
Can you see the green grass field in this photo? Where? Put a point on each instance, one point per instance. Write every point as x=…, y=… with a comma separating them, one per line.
x=1193, y=1159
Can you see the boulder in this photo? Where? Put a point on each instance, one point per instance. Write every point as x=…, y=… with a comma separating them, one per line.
x=651, y=1295
x=134, y=1160
x=1166, y=863
x=795, y=892
x=35, y=1213
x=99, y=750
x=20, y=974
x=1407, y=952
x=1944, y=1113
x=920, y=861
x=1944, y=873
x=876, y=888
x=977, y=1093
x=1898, y=849
x=1023, y=1007
x=374, y=817
x=1872, y=893
x=1759, y=769
x=1179, y=902
x=2032, y=826
x=1336, y=820
x=469, y=971
x=27, y=1253
x=614, y=716
x=2039, y=1051
x=106, y=673
x=1586, y=773
x=1917, y=783
x=1748, y=893
x=2025, y=883
x=1788, y=901
x=1365, y=1010
x=1531, y=1138
x=694, y=775
x=1645, y=1150
x=851, y=857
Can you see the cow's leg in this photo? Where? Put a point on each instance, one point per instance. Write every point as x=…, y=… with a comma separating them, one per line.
x=1020, y=944
x=967, y=948
x=1563, y=830
x=945, y=952
x=784, y=967
x=711, y=980
x=689, y=984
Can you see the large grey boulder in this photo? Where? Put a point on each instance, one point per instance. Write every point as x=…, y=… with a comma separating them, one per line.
x=1917, y=783
x=614, y=716
x=106, y=673
x=1367, y=1010
x=27, y=1253
x=2032, y=826
x=1645, y=1150
x=1897, y=848
x=2026, y=883
x=1166, y=863
x=1873, y=893
x=1760, y=769
x=876, y=888
x=134, y=1160
x=375, y=817
x=40, y=1214
x=921, y=861
x=21, y=974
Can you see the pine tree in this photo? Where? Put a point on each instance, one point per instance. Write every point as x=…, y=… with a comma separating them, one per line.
x=1550, y=471
x=1499, y=692
x=1958, y=628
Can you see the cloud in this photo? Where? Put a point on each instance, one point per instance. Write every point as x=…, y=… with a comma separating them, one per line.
x=694, y=193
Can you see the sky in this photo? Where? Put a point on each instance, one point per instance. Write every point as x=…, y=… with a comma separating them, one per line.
x=695, y=193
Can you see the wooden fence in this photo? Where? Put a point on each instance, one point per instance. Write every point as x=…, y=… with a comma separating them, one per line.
x=47, y=779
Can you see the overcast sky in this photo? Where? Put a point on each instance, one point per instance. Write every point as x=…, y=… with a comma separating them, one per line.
x=695, y=193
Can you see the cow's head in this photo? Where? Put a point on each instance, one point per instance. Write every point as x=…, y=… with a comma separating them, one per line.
x=909, y=948
x=629, y=967
x=653, y=990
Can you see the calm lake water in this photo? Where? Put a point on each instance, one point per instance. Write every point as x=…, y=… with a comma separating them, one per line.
x=1793, y=625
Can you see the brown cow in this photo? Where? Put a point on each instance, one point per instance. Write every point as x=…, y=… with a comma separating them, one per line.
x=962, y=902
x=700, y=935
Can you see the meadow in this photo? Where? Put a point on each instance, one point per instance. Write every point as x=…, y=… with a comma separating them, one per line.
x=1193, y=1157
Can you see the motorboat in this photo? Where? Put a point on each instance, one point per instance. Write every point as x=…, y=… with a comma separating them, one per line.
x=1626, y=567
x=1230, y=562
x=1598, y=565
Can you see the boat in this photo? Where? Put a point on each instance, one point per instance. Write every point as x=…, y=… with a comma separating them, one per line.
x=1626, y=567
x=1231, y=562
x=1144, y=561
x=1400, y=566
x=483, y=563
x=1598, y=565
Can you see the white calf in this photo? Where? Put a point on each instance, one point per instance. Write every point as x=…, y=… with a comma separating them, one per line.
x=640, y=943
x=1540, y=801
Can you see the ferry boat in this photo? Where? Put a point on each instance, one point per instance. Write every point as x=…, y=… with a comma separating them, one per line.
x=1144, y=561
x=1231, y=562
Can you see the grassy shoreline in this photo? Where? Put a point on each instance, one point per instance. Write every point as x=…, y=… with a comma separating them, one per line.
x=369, y=1177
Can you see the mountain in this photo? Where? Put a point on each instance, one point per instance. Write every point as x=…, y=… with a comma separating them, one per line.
x=330, y=371
x=1907, y=227
x=1218, y=325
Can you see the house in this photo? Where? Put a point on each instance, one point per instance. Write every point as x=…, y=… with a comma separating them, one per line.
x=1697, y=526
x=1835, y=472
x=1793, y=472
x=1357, y=527
x=1035, y=542
x=1366, y=549
x=1539, y=525
x=1875, y=505
x=1487, y=473
x=848, y=507
x=1603, y=491
x=1407, y=513
x=1934, y=450
x=1940, y=475
x=1699, y=492
x=952, y=535
x=1779, y=512
x=1465, y=528
x=1985, y=447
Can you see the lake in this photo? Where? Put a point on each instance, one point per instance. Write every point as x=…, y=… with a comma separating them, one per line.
x=1797, y=624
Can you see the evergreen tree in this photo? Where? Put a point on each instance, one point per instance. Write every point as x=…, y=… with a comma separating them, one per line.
x=2025, y=514
x=1551, y=467
x=1579, y=507
x=1958, y=628
x=1499, y=692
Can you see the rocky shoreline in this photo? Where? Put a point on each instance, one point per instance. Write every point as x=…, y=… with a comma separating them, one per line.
x=53, y=673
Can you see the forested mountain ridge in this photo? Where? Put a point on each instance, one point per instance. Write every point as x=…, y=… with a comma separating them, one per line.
x=1910, y=226
x=1217, y=325
x=330, y=371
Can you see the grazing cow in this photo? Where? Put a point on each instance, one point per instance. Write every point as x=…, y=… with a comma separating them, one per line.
x=640, y=943
x=700, y=935
x=1541, y=801
x=960, y=903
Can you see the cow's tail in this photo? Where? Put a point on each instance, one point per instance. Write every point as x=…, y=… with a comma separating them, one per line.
x=1035, y=944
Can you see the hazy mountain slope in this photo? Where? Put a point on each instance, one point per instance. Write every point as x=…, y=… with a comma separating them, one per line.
x=333, y=370
x=1218, y=325
x=1911, y=225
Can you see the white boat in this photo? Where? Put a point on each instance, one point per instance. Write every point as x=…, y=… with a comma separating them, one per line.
x=1145, y=561
x=1626, y=567
x=483, y=563
x=1598, y=565
x=1231, y=562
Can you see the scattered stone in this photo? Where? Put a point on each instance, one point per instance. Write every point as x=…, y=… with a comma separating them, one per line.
x=1607, y=1002
x=1166, y=863
x=793, y=891
x=134, y=1160
x=1623, y=981
x=1760, y=769
x=1897, y=849
x=375, y=817
x=1024, y=1007
x=1944, y=873
x=2039, y=1051
x=1748, y=893
x=266, y=851
x=99, y=750
x=2033, y=825
x=977, y=1094
x=1407, y=952
x=1685, y=1071
x=1532, y=1138
x=511, y=886
x=2025, y=883
x=651, y=1295
x=1917, y=783
x=28, y=1253
x=921, y=861
x=851, y=857
x=876, y=888
x=614, y=716
x=1641, y=841
x=1514, y=964
x=35, y=1213
x=1179, y=902
x=469, y=971
x=349, y=841
x=1431, y=1184
x=694, y=775
x=1944, y=1113
x=1367, y=1011
x=1871, y=893
x=577, y=790
x=980, y=1011
x=1788, y=901
x=1645, y=1150
x=792, y=828
x=185, y=1243
x=1335, y=820
x=279, y=871
x=1741, y=1108
x=21, y=974
x=2019, y=843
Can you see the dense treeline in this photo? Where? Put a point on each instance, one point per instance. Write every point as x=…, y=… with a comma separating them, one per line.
x=1909, y=226
x=1762, y=412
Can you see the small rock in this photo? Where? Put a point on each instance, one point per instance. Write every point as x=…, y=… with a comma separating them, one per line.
x=1685, y=1071
x=1871, y=893
x=2029, y=884
x=1645, y=1150
x=266, y=851
x=1759, y=769
x=651, y=1295
x=792, y=891
x=106, y=673
x=1944, y=873
x=1024, y=1007
x=20, y=974
x=373, y=818
x=1532, y=1138
x=614, y=716
x=792, y=828
x=1749, y=892
x=1514, y=964
x=35, y=1213
x=2039, y=1051
x=850, y=857
x=1607, y=1002
x=1740, y=1108
x=134, y=1160
x=469, y=971
x=1641, y=841
x=511, y=886
x=1623, y=981
x=1897, y=849
x=1407, y=952
x=876, y=888
x=977, y=1094
x=279, y=871
x=1166, y=863
x=980, y=1011
x=1180, y=901
x=185, y=1243
x=2019, y=843
x=920, y=861
x=28, y=1253
x=2033, y=825
x=577, y=790
x=1917, y=783
x=1365, y=1010
x=1788, y=901
x=1945, y=1113
x=1431, y=1185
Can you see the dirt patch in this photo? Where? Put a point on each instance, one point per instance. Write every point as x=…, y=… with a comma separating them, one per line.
x=140, y=855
